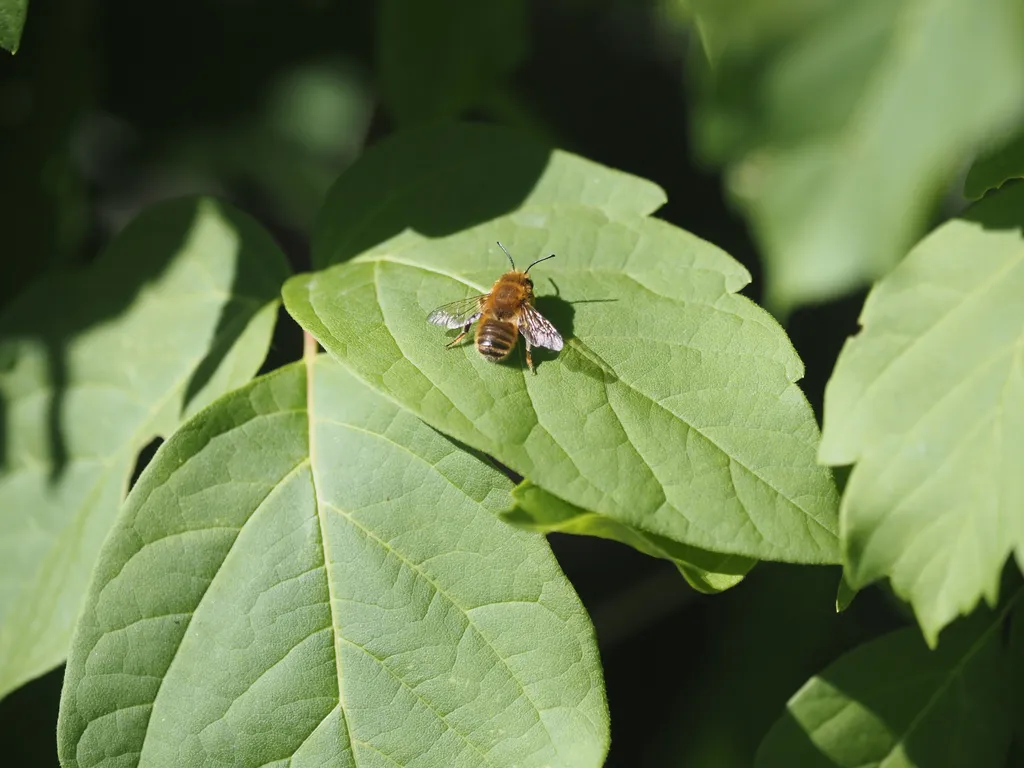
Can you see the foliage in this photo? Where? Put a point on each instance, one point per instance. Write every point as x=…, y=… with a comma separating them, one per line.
x=185, y=298
x=12, y=19
x=666, y=355
x=841, y=121
x=927, y=401
x=537, y=510
x=906, y=705
x=342, y=560
x=438, y=59
x=1001, y=163
x=339, y=565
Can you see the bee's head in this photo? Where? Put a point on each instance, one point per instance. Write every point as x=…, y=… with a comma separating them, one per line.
x=526, y=280
x=538, y=261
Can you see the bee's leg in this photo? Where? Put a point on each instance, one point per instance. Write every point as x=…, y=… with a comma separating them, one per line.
x=529, y=358
x=458, y=338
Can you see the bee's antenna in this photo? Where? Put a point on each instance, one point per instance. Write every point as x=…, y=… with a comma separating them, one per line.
x=538, y=261
x=509, y=256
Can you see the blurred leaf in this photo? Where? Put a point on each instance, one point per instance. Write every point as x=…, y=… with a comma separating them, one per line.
x=764, y=639
x=663, y=360
x=308, y=575
x=844, y=594
x=439, y=59
x=894, y=702
x=439, y=180
x=12, y=19
x=928, y=400
x=93, y=365
x=537, y=510
x=842, y=121
x=311, y=125
x=994, y=168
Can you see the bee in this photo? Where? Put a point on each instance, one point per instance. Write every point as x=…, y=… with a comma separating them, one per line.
x=505, y=312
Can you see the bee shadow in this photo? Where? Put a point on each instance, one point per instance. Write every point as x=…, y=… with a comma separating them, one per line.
x=562, y=315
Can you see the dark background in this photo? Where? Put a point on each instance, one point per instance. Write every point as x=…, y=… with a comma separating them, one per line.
x=111, y=105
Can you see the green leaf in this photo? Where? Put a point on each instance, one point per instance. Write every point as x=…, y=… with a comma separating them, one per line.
x=928, y=400
x=994, y=168
x=93, y=365
x=437, y=60
x=893, y=702
x=844, y=594
x=440, y=180
x=841, y=122
x=672, y=409
x=12, y=20
x=709, y=572
x=307, y=575
x=311, y=122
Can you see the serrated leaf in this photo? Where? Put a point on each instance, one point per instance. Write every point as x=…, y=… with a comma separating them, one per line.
x=996, y=167
x=439, y=59
x=928, y=400
x=893, y=702
x=307, y=575
x=12, y=20
x=842, y=121
x=672, y=408
x=708, y=572
x=440, y=180
x=95, y=364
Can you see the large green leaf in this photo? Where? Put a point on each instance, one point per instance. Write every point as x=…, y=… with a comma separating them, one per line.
x=437, y=181
x=307, y=575
x=893, y=702
x=93, y=365
x=841, y=121
x=12, y=19
x=537, y=510
x=438, y=59
x=672, y=408
x=928, y=400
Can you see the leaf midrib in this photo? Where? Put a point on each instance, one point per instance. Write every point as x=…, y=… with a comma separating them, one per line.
x=309, y=363
x=174, y=656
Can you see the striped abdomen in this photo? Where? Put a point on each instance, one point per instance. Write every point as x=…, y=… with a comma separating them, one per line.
x=495, y=339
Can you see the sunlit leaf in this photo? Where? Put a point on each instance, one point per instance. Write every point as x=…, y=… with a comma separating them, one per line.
x=538, y=510
x=12, y=19
x=93, y=365
x=841, y=122
x=893, y=702
x=438, y=59
x=672, y=409
x=928, y=401
x=307, y=575
x=440, y=180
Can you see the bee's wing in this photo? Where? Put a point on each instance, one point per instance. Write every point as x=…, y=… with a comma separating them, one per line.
x=538, y=331
x=457, y=313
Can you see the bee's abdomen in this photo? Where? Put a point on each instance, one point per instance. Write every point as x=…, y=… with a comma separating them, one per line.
x=495, y=339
